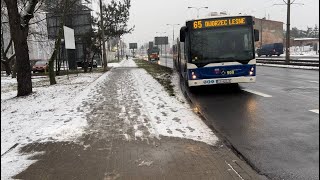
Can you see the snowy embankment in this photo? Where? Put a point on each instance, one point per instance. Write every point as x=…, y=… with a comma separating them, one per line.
x=169, y=116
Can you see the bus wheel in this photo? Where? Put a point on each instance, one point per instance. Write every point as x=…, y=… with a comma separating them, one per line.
x=235, y=87
x=193, y=90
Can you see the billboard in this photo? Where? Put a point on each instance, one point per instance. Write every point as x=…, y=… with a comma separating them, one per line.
x=69, y=38
x=133, y=46
x=161, y=40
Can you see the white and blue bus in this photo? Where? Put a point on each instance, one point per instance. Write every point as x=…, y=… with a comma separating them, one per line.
x=218, y=50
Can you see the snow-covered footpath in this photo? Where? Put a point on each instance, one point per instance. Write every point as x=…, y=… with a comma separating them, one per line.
x=51, y=114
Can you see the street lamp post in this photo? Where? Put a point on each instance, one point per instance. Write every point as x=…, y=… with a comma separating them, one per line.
x=198, y=8
x=165, y=47
x=172, y=37
x=172, y=31
x=161, y=44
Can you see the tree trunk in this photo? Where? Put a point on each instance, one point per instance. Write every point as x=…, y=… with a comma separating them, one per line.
x=92, y=61
x=19, y=35
x=118, y=50
x=23, y=65
x=7, y=67
x=14, y=69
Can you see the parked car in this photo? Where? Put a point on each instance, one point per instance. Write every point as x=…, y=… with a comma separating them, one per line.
x=40, y=66
x=94, y=64
x=270, y=49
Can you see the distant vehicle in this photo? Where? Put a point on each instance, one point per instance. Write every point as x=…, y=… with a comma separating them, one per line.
x=270, y=49
x=217, y=50
x=40, y=66
x=153, y=54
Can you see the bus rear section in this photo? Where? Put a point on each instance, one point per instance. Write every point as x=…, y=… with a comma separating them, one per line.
x=218, y=50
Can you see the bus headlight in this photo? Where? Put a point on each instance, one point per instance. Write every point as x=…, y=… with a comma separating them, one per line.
x=193, y=75
x=251, y=72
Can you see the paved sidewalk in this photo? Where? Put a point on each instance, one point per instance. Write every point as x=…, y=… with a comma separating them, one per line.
x=122, y=142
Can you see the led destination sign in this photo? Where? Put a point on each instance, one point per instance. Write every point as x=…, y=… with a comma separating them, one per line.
x=211, y=23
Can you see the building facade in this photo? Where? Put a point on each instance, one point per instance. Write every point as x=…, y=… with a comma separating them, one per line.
x=270, y=31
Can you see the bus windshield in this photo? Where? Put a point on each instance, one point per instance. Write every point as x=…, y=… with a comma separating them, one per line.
x=221, y=45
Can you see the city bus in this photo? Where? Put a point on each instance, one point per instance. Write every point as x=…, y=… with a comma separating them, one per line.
x=217, y=50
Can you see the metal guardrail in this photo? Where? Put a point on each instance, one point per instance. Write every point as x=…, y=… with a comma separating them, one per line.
x=314, y=63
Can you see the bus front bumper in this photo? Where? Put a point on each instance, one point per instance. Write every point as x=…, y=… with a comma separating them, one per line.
x=231, y=80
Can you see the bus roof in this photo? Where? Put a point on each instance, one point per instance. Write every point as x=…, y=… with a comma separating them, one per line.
x=218, y=17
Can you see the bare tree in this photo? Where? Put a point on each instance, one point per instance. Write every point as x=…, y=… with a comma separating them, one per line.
x=19, y=27
x=5, y=60
x=6, y=56
x=63, y=8
x=116, y=16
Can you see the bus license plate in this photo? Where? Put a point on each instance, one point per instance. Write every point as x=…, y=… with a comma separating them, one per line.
x=223, y=81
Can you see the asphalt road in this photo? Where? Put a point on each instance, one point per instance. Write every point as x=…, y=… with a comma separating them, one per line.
x=269, y=122
x=273, y=123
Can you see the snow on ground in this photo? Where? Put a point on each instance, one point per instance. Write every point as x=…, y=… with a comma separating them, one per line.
x=48, y=113
x=169, y=116
x=302, y=54
x=45, y=115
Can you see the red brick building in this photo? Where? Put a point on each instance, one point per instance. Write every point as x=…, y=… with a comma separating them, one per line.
x=270, y=31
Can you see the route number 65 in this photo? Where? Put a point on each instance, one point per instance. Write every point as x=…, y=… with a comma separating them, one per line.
x=197, y=24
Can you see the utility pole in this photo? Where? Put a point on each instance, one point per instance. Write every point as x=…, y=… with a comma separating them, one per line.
x=288, y=34
x=288, y=3
x=104, y=58
x=261, y=30
x=172, y=31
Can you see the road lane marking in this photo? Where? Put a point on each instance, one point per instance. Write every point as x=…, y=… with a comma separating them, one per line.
x=315, y=111
x=314, y=82
x=234, y=170
x=257, y=93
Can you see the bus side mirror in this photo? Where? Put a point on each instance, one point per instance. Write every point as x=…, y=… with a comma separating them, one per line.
x=183, y=31
x=256, y=35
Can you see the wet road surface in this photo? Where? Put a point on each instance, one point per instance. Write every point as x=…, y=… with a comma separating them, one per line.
x=273, y=123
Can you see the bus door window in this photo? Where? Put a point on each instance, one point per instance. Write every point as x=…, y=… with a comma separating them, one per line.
x=186, y=50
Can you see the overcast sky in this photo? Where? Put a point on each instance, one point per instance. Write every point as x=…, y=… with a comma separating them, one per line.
x=151, y=16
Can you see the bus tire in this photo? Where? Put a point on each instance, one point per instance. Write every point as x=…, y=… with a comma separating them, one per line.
x=235, y=87
x=192, y=89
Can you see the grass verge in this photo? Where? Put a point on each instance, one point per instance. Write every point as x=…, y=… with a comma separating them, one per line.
x=160, y=73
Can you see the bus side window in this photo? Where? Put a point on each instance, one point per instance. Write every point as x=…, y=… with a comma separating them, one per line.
x=182, y=50
x=186, y=49
x=246, y=42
